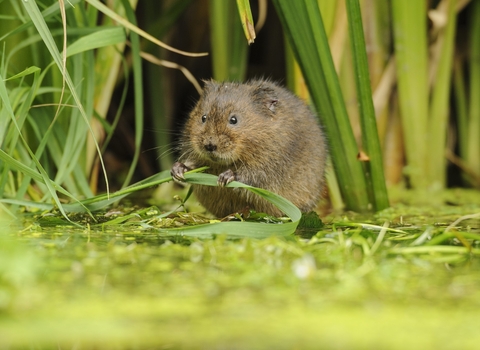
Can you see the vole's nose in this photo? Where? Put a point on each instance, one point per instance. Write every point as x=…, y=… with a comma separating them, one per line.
x=210, y=147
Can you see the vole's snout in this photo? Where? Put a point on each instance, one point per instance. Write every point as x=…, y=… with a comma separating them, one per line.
x=210, y=147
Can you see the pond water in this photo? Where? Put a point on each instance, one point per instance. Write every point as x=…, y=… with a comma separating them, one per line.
x=353, y=284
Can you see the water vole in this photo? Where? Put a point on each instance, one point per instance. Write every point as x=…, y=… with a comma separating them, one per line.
x=257, y=133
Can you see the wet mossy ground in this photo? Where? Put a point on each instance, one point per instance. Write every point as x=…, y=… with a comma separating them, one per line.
x=351, y=284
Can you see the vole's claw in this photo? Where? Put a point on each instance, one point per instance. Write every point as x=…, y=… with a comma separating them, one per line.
x=225, y=178
x=178, y=169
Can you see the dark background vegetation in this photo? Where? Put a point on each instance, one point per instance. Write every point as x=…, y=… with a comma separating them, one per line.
x=266, y=59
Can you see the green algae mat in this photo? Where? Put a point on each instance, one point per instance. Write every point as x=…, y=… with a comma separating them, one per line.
x=405, y=278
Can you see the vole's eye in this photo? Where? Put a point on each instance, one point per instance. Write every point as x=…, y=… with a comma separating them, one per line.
x=204, y=118
x=233, y=120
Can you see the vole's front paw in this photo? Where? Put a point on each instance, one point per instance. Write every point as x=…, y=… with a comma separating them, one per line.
x=178, y=169
x=225, y=178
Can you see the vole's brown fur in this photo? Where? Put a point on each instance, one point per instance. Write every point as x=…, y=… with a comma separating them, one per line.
x=257, y=133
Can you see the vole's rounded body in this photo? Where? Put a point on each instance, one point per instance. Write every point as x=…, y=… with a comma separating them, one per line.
x=257, y=133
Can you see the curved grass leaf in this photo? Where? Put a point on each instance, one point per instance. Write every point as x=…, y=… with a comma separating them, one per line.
x=231, y=229
x=100, y=38
x=240, y=229
x=108, y=12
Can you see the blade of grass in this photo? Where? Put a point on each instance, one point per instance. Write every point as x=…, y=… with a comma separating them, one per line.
x=100, y=38
x=72, y=143
x=229, y=49
x=42, y=176
x=461, y=109
x=138, y=91
x=434, y=250
x=371, y=144
x=439, y=107
x=219, y=38
x=237, y=229
x=50, y=11
x=473, y=155
x=296, y=83
x=125, y=23
x=304, y=27
x=42, y=28
x=410, y=39
x=232, y=229
x=107, y=68
x=247, y=20
x=328, y=9
x=159, y=104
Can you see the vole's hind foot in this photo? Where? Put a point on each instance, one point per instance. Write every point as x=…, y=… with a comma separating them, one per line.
x=225, y=178
x=178, y=169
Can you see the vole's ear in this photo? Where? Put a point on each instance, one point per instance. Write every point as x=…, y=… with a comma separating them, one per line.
x=266, y=96
x=271, y=104
x=209, y=85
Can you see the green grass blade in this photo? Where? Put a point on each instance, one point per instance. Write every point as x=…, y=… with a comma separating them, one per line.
x=439, y=107
x=473, y=155
x=27, y=71
x=5, y=118
x=410, y=39
x=30, y=172
x=219, y=38
x=461, y=103
x=232, y=229
x=247, y=20
x=242, y=229
x=138, y=91
x=328, y=8
x=101, y=38
x=122, y=21
x=304, y=27
x=44, y=32
x=229, y=49
x=42, y=176
x=371, y=143
x=160, y=24
x=50, y=11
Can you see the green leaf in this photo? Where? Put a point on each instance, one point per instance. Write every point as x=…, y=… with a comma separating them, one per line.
x=410, y=38
x=473, y=151
x=439, y=106
x=101, y=38
x=303, y=25
x=247, y=20
x=42, y=28
x=229, y=49
x=371, y=144
x=138, y=88
x=122, y=21
x=231, y=229
x=28, y=71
